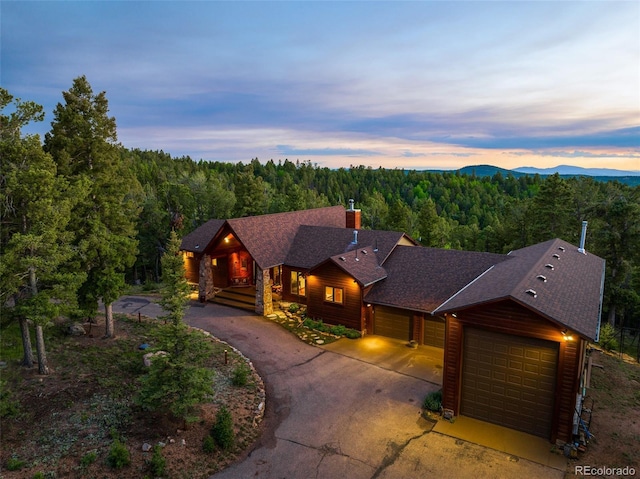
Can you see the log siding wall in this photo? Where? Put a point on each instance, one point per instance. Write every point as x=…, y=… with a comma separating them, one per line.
x=350, y=312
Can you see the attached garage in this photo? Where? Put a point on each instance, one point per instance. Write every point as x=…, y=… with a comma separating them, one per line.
x=392, y=322
x=509, y=380
x=434, y=332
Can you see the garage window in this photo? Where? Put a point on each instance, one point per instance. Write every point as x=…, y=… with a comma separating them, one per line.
x=333, y=295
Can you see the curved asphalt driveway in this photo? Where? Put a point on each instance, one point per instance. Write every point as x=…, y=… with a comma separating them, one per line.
x=331, y=416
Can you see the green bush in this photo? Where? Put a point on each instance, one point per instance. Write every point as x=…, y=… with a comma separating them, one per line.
x=293, y=308
x=118, y=455
x=88, y=459
x=222, y=430
x=433, y=401
x=14, y=463
x=240, y=375
x=608, y=337
x=158, y=462
x=352, y=334
x=338, y=330
x=208, y=444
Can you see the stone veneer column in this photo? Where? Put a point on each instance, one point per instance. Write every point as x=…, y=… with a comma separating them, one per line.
x=264, y=295
x=205, y=284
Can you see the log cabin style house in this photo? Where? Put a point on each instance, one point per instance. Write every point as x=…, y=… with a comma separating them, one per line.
x=513, y=329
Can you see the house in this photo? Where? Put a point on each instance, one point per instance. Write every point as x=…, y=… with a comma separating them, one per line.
x=513, y=329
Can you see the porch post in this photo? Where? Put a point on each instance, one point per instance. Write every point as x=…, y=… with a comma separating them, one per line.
x=205, y=283
x=264, y=295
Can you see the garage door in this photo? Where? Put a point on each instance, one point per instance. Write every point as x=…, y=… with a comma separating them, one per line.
x=509, y=380
x=392, y=322
x=434, y=332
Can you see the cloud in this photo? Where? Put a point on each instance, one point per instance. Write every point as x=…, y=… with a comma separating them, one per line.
x=287, y=150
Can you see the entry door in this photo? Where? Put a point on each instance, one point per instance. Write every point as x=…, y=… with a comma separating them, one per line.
x=509, y=380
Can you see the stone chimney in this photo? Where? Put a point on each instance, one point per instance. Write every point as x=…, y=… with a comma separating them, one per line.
x=353, y=217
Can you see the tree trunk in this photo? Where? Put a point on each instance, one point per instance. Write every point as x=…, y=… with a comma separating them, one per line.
x=43, y=367
x=612, y=315
x=27, y=359
x=108, y=321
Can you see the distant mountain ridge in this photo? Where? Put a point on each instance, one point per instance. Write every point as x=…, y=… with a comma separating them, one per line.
x=631, y=178
x=575, y=170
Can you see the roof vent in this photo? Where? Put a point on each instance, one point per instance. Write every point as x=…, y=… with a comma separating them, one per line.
x=197, y=246
x=561, y=248
x=542, y=278
x=556, y=255
x=342, y=258
x=351, y=205
x=549, y=265
x=364, y=251
x=531, y=292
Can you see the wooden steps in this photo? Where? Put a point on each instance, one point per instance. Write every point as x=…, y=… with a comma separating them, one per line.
x=243, y=298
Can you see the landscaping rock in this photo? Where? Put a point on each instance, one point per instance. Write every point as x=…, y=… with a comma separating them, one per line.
x=76, y=329
x=148, y=358
x=146, y=447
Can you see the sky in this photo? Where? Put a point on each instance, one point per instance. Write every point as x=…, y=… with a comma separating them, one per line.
x=392, y=84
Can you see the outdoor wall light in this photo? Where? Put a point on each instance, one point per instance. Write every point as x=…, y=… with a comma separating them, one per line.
x=567, y=337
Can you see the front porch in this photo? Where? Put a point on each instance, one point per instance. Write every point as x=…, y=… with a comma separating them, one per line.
x=239, y=297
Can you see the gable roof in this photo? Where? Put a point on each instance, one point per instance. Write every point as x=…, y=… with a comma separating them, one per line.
x=268, y=238
x=313, y=245
x=421, y=279
x=568, y=291
x=198, y=240
x=360, y=263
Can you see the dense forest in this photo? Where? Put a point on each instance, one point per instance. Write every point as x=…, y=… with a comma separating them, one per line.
x=81, y=213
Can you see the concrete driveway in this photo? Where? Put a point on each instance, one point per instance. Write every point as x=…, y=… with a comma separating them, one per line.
x=329, y=415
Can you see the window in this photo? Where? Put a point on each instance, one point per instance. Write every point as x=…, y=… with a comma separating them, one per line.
x=333, y=295
x=298, y=283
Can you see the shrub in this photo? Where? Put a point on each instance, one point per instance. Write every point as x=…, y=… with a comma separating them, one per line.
x=338, y=330
x=38, y=475
x=352, y=334
x=14, y=463
x=8, y=405
x=208, y=444
x=433, y=401
x=608, y=337
x=240, y=375
x=222, y=430
x=88, y=459
x=158, y=462
x=118, y=455
x=293, y=308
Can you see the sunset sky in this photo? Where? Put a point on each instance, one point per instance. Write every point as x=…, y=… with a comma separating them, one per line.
x=415, y=84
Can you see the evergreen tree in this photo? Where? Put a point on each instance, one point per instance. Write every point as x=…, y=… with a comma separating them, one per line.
x=177, y=380
x=35, y=212
x=82, y=143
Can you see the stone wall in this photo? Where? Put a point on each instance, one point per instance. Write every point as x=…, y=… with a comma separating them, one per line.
x=264, y=295
x=205, y=283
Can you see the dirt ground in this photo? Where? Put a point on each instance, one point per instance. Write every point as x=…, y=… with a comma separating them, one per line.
x=614, y=398
x=66, y=418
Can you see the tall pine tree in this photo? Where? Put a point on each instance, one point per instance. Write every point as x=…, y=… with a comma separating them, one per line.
x=82, y=142
x=35, y=209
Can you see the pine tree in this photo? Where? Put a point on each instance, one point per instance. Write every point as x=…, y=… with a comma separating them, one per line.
x=35, y=211
x=82, y=143
x=176, y=381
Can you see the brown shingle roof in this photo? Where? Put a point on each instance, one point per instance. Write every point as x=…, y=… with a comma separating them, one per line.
x=361, y=263
x=421, y=279
x=198, y=239
x=268, y=238
x=313, y=245
x=552, y=278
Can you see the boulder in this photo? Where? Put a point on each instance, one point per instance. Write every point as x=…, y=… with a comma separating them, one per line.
x=76, y=329
x=148, y=358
